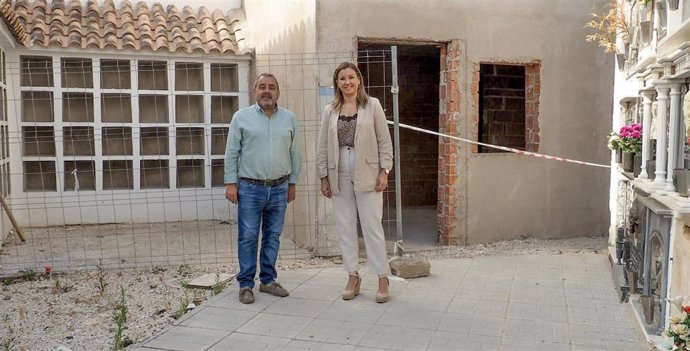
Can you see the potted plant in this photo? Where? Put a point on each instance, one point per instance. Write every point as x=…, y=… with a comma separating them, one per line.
x=614, y=144
x=678, y=332
x=631, y=143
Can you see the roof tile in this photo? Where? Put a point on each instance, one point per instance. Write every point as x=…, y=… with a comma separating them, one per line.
x=13, y=23
x=133, y=26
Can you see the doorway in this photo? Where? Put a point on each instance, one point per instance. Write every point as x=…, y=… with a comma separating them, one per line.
x=418, y=101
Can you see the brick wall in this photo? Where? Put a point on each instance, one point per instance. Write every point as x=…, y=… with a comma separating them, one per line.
x=502, y=106
x=449, y=109
x=532, y=92
x=418, y=106
x=419, y=102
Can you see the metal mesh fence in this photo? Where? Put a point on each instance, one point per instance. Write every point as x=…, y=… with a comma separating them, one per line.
x=119, y=161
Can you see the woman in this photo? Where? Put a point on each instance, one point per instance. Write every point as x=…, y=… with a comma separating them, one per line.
x=354, y=157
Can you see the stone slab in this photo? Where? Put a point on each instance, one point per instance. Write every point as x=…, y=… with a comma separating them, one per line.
x=208, y=281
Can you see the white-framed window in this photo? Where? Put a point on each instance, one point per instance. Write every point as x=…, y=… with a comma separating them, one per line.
x=110, y=123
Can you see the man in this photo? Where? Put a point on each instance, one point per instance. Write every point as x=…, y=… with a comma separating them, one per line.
x=262, y=165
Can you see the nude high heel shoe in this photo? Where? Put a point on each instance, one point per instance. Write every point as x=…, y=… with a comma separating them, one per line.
x=382, y=297
x=349, y=294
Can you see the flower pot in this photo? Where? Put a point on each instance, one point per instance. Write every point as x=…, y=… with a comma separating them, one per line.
x=619, y=155
x=647, y=303
x=673, y=4
x=632, y=281
x=628, y=161
x=637, y=164
x=681, y=181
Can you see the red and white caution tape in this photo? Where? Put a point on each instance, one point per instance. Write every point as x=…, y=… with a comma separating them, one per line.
x=509, y=149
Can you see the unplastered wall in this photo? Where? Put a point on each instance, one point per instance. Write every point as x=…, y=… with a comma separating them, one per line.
x=505, y=196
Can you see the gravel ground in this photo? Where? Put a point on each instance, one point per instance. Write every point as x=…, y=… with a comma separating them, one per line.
x=77, y=310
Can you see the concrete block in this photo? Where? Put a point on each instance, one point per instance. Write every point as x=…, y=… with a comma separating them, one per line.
x=408, y=266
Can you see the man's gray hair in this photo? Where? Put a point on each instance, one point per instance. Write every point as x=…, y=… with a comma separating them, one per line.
x=266, y=74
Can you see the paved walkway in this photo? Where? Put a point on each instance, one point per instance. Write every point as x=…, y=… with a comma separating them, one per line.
x=531, y=303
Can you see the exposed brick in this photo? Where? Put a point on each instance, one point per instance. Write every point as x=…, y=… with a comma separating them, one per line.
x=514, y=104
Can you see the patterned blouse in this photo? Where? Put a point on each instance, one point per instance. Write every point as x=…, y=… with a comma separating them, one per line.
x=346, y=130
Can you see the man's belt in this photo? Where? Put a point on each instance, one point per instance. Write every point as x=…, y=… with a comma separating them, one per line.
x=268, y=183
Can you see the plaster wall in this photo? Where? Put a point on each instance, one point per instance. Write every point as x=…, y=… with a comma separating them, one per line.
x=680, y=286
x=7, y=43
x=530, y=196
x=283, y=35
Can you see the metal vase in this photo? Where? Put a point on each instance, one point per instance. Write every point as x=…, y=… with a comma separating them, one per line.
x=619, y=155
x=647, y=303
x=673, y=4
x=681, y=181
x=628, y=161
x=637, y=164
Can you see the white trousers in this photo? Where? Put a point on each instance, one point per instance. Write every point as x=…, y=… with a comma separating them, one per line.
x=369, y=205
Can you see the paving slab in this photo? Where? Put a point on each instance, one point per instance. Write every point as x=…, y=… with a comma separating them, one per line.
x=504, y=303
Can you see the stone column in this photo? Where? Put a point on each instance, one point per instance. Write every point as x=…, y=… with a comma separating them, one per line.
x=674, y=125
x=647, y=97
x=661, y=147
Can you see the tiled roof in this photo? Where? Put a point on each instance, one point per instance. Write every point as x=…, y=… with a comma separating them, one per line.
x=10, y=19
x=131, y=26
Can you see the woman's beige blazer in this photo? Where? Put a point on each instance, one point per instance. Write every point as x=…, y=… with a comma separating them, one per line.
x=373, y=147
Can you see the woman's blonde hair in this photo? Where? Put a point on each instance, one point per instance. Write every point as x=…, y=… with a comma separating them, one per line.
x=362, y=97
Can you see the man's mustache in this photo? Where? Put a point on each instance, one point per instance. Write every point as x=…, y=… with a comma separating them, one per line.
x=267, y=95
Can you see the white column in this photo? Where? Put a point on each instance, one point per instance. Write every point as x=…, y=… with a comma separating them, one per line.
x=674, y=123
x=646, y=131
x=661, y=147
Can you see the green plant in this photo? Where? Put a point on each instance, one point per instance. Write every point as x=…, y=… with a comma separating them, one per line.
x=157, y=270
x=120, y=320
x=614, y=141
x=184, y=270
x=608, y=24
x=7, y=343
x=631, y=138
x=217, y=287
x=61, y=287
x=184, y=301
x=189, y=296
x=102, y=283
x=7, y=281
x=30, y=275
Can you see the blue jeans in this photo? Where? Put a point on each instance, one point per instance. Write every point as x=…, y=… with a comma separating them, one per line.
x=259, y=207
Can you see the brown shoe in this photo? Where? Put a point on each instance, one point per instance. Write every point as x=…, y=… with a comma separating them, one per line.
x=382, y=297
x=274, y=289
x=349, y=294
x=246, y=295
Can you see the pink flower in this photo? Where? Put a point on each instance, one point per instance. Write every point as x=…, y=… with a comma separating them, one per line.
x=636, y=135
